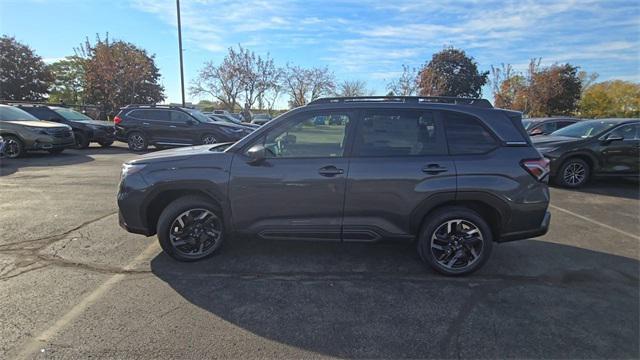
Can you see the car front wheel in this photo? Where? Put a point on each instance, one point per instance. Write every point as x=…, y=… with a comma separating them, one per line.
x=14, y=147
x=573, y=173
x=190, y=228
x=455, y=241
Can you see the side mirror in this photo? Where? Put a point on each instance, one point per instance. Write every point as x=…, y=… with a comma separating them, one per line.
x=613, y=137
x=256, y=154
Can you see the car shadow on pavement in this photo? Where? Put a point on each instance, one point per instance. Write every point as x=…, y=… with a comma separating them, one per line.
x=618, y=187
x=41, y=159
x=533, y=299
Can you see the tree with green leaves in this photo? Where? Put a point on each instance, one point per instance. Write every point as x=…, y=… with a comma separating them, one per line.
x=614, y=98
x=118, y=73
x=451, y=72
x=23, y=74
x=69, y=80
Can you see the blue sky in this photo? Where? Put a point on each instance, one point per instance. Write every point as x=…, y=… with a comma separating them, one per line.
x=363, y=40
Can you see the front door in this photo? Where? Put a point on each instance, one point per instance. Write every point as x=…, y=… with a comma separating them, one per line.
x=399, y=162
x=621, y=156
x=298, y=191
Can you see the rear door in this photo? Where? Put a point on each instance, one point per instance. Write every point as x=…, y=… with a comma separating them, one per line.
x=399, y=162
x=181, y=128
x=150, y=121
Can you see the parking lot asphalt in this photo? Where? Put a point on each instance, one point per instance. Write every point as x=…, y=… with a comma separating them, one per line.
x=73, y=284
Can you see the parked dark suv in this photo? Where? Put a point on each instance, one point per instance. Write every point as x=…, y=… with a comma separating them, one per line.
x=454, y=175
x=85, y=129
x=165, y=126
x=603, y=147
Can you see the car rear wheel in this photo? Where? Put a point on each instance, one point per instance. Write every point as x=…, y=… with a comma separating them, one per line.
x=573, y=173
x=455, y=241
x=82, y=140
x=137, y=141
x=190, y=229
x=14, y=147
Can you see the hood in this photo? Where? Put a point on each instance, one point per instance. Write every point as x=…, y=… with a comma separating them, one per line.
x=41, y=123
x=549, y=140
x=96, y=123
x=180, y=153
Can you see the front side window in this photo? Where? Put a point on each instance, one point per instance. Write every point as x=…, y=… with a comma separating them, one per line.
x=627, y=132
x=550, y=127
x=180, y=117
x=399, y=133
x=309, y=135
x=72, y=115
x=466, y=135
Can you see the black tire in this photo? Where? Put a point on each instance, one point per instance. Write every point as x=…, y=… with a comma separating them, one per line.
x=457, y=248
x=137, y=141
x=14, y=147
x=55, y=151
x=573, y=173
x=82, y=140
x=105, y=143
x=170, y=215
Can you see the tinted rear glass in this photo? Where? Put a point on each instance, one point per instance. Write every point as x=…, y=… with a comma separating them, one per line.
x=466, y=135
x=150, y=114
x=399, y=133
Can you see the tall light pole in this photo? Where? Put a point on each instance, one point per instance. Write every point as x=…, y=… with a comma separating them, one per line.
x=180, y=46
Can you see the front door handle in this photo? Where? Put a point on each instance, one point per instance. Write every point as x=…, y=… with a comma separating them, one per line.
x=145, y=123
x=434, y=169
x=330, y=171
x=172, y=126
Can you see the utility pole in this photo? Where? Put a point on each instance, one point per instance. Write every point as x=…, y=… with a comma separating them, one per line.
x=180, y=46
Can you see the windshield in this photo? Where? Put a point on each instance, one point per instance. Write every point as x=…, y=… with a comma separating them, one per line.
x=9, y=113
x=527, y=124
x=198, y=115
x=72, y=114
x=584, y=129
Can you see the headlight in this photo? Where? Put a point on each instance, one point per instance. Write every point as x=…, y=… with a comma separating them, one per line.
x=39, y=130
x=128, y=169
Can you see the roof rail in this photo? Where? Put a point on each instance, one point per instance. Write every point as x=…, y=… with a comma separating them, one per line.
x=484, y=103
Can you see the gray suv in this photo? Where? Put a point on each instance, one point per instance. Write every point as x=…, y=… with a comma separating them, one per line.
x=22, y=132
x=452, y=175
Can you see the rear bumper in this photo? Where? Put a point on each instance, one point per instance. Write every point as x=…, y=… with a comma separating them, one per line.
x=529, y=233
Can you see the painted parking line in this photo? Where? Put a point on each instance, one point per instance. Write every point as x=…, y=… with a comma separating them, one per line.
x=35, y=344
x=595, y=222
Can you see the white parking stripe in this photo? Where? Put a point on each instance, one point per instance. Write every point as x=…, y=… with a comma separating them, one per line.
x=595, y=222
x=35, y=344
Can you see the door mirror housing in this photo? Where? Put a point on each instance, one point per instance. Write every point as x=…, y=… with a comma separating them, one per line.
x=612, y=137
x=257, y=154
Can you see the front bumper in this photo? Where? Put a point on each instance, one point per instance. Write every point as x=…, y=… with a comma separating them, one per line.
x=529, y=233
x=104, y=135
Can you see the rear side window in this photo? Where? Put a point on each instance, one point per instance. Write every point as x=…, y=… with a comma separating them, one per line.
x=150, y=115
x=466, y=135
x=399, y=133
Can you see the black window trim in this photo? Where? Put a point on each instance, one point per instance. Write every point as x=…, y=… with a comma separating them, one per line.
x=439, y=121
x=609, y=131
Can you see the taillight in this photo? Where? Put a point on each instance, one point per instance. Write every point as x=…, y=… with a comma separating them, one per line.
x=117, y=120
x=538, y=168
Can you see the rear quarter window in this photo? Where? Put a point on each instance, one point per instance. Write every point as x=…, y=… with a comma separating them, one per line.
x=467, y=135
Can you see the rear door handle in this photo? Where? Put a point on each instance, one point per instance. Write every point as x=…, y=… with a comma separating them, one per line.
x=330, y=171
x=434, y=169
x=145, y=123
x=172, y=126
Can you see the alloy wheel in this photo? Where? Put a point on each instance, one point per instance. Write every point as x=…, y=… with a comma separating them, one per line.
x=209, y=139
x=457, y=244
x=574, y=174
x=136, y=141
x=12, y=148
x=195, y=233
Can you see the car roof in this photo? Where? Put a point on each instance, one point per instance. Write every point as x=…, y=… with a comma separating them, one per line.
x=541, y=119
